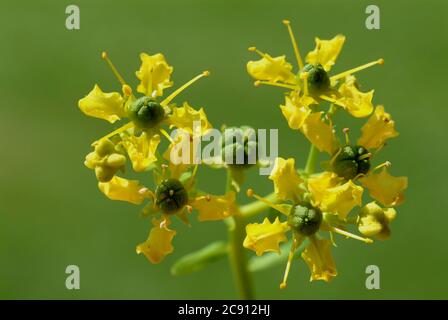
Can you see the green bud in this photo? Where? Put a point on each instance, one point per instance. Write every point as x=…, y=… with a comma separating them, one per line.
x=351, y=161
x=116, y=160
x=240, y=140
x=171, y=196
x=104, y=174
x=146, y=113
x=318, y=79
x=104, y=148
x=305, y=219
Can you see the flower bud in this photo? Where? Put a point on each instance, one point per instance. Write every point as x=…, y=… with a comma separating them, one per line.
x=374, y=220
x=240, y=140
x=171, y=196
x=146, y=113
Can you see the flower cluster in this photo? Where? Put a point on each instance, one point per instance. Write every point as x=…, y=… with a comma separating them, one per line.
x=317, y=203
x=174, y=194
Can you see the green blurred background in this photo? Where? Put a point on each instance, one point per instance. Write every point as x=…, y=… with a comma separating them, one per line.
x=52, y=214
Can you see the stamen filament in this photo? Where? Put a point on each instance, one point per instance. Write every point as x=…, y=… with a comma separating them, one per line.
x=261, y=54
x=386, y=164
x=351, y=235
x=347, y=138
x=304, y=77
x=163, y=131
x=285, y=209
x=182, y=88
x=127, y=126
x=275, y=84
x=288, y=264
x=351, y=71
x=294, y=44
x=365, y=156
x=114, y=70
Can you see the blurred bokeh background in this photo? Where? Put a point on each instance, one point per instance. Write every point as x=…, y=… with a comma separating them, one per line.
x=52, y=214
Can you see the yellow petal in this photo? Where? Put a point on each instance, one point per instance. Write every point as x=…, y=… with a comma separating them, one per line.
x=186, y=117
x=266, y=236
x=319, y=133
x=123, y=190
x=387, y=189
x=154, y=74
x=377, y=129
x=286, y=180
x=141, y=150
x=215, y=207
x=102, y=105
x=374, y=220
x=318, y=185
x=317, y=256
x=158, y=244
x=272, y=70
x=326, y=52
x=357, y=103
x=179, y=154
x=296, y=109
x=342, y=199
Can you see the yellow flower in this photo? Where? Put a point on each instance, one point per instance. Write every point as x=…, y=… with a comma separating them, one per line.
x=374, y=221
x=271, y=69
x=107, y=106
x=154, y=74
x=265, y=237
x=385, y=188
x=141, y=150
x=123, y=190
x=317, y=256
x=318, y=184
x=286, y=180
x=377, y=129
x=319, y=133
x=296, y=109
x=139, y=137
x=357, y=103
x=158, y=244
x=326, y=52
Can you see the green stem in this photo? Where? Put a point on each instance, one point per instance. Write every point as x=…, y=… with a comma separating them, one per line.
x=310, y=167
x=237, y=254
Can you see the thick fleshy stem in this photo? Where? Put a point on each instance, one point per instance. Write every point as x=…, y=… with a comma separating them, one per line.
x=237, y=254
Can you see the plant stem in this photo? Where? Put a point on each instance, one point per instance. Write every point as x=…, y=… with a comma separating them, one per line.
x=237, y=255
x=311, y=161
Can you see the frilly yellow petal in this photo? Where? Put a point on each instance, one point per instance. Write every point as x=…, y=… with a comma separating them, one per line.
x=296, y=109
x=272, y=69
x=141, y=150
x=154, y=74
x=185, y=117
x=286, y=180
x=266, y=236
x=320, y=133
x=374, y=220
x=387, y=189
x=317, y=256
x=357, y=103
x=158, y=245
x=318, y=185
x=181, y=148
x=377, y=129
x=215, y=207
x=342, y=199
x=123, y=190
x=326, y=52
x=102, y=105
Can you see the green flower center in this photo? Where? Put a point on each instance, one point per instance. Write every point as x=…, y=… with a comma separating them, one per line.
x=239, y=146
x=305, y=219
x=351, y=161
x=171, y=196
x=146, y=113
x=318, y=79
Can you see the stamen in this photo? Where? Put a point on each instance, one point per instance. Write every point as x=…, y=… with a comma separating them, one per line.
x=285, y=209
x=335, y=156
x=112, y=66
x=294, y=44
x=288, y=264
x=351, y=235
x=261, y=54
x=347, y=138
x=182, y=88
x=327, y=98
x=365, y=156
x=127, y=91
x=386, y=164
x=351, y=71
x=304, y=77
x=127, y=126
x=163, y=131
x=274, y=84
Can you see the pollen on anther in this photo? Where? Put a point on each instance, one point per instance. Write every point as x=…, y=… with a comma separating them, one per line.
x=250, y=193
x=104, y=55
x=381, y=61
x=257, y=83
x=286, y=22
x=143, y=190
x=252, y=48
x=206, y=73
